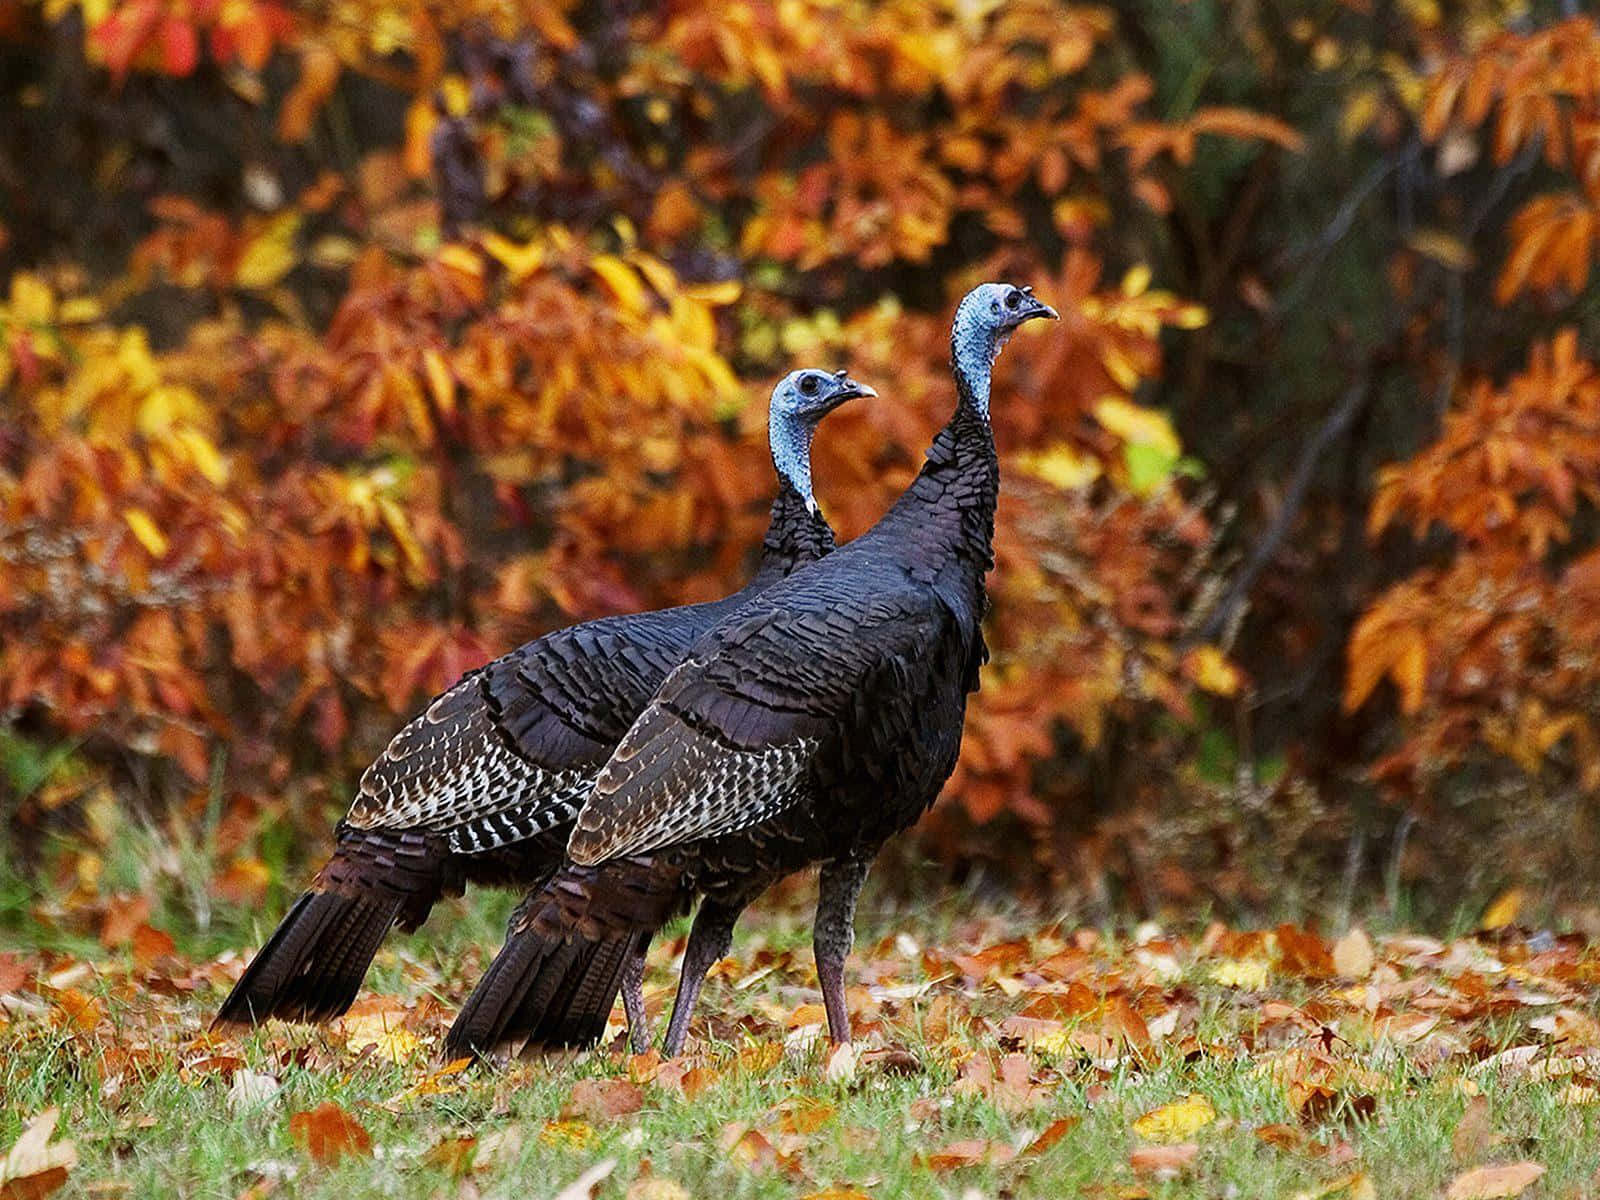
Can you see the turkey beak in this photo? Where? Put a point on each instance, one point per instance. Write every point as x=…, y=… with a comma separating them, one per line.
x=1039, y=307
x=849, y=389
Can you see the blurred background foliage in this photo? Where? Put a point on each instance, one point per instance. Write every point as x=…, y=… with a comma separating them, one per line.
x=346, y=345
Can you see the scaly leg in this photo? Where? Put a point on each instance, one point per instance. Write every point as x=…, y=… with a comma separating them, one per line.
x=709, y=939
x=633, y=997
x=833, y=934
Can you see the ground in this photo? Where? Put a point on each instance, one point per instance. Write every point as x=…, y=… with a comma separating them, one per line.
x=995, y=1057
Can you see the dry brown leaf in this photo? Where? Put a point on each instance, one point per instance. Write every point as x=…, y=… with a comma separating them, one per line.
x=1494, y=1183
x=1473, y=1132
x=328, y=1133
x=34, y=1167
x=603, y=1100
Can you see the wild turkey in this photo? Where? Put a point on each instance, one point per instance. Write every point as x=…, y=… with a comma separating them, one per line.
x=807, y=728
x=483, y=787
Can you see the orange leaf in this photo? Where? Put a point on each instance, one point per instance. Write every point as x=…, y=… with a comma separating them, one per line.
x=328, y=1133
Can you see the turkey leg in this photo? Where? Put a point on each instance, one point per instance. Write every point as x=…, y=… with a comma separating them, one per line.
x=833, y=934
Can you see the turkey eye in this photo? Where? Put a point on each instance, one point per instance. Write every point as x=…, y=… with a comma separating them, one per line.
x=808, y=385
x=1012, y=299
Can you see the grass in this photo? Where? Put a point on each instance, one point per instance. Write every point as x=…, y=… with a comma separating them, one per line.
x=155, y=1107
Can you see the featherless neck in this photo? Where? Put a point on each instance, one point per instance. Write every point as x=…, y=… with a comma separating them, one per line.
x=796, y=535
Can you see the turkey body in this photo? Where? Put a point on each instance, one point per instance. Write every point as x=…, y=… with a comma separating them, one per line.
x=483, y=787
x=807, y=728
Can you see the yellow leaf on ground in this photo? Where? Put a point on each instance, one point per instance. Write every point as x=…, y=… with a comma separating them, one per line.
x=1176, y=1122
x=1247, y=974
x=383, y=1032
x=1494, y=1183
x=1503, y=911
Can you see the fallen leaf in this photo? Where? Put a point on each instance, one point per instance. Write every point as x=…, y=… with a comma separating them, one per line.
x=1473, y=1132
x=1053, y=1133
x=251, y=1089
x=1248, y=974
x=603, y=1100
x=584, y=1186
x=1176, y=1122
x=328, y=1133
x=1352, y=954
x=840, y=1063
x=1164, y=1162
x=34, y=1168
x=1493, y=1183
x=574, y=1135
x=804, y=1115
x=967, y=1153
x=1503, y=911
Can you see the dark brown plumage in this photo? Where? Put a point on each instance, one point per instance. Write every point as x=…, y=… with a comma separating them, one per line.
x=807, y=728
x=483, y=787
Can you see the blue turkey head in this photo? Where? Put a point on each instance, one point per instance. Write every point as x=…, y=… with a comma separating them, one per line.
x=800, y=400
x=985, y=320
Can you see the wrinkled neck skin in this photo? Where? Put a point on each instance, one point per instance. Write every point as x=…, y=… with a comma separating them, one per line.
x=796, y=534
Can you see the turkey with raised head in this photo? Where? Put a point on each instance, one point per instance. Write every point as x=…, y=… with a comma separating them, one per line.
x=484, y=785
x=807, y=728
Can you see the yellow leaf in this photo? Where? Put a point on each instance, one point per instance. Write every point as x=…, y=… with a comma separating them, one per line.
x=574, y=1135
x=440, y=381
x=382, y=1031
x=1211, y=671
x=270, y=255
x=146, y=530
x=519, y=261
x=166, y=406
x=1141, y=426
x=1247, y=974
x=1136, y=281
x=623, y=281
x=79, y=310
x=460, y=258
x=1444, y=248
x=31, y=300
x=714, y=294
x=1504, y=910
x=1176, y=1122
x=1061, y=466
x=203, y=456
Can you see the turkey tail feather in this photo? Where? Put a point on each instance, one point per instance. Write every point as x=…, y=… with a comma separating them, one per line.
x=312, y=966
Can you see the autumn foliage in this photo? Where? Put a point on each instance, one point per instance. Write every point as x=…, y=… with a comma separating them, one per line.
x=344, y=347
